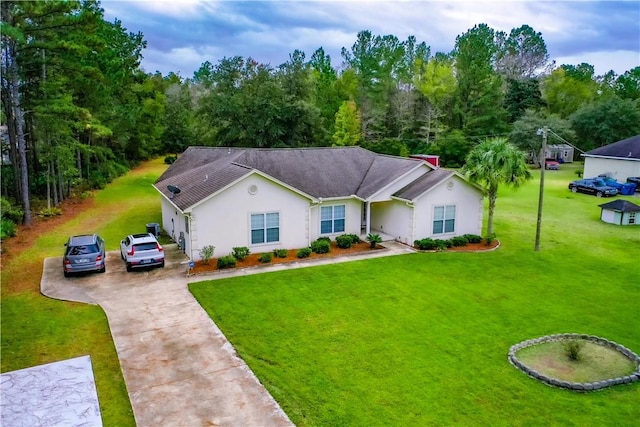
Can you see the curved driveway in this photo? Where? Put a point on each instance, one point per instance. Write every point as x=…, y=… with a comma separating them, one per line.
x=178, y=367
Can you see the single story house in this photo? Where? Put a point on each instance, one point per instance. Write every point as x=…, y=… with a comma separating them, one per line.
x=560, y=152
x=268, y=199
x=619, y=160
x=563, y=153
x=620, y=212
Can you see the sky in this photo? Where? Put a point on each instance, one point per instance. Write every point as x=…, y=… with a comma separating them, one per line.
x=183, y=34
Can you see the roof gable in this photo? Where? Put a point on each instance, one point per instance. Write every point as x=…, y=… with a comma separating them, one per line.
x=423, y=184
x=626, y=149
x=317, y=172
x=620, y=205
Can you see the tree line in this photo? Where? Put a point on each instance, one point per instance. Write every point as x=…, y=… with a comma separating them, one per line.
x=78, y=110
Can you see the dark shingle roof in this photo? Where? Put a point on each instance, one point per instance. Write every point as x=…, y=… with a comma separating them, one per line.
x=424, y=183
x=620, y=205
x=317, y=172
x=626, y=149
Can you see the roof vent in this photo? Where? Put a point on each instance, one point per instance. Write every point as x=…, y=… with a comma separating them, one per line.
x=173, y=189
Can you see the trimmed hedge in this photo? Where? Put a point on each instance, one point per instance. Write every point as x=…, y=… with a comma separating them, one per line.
x=321, y=246
x=344, y=241
x=473, y=238
x=280, y=253
x=304, y=253
x=228, y=261
x=428, y=244
x=265, y=257
x=241, y=252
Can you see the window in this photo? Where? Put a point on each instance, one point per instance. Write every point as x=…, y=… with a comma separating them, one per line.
x=332, y=219
x=632, y=217
x=265, y=228
x=444, y=219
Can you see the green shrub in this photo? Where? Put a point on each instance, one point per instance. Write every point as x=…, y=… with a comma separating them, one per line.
x=344, y=241
x=373, y=239
x=7, y=228
x=206, y=253
x=304, y=253
x=11, y=212
x=240, y=252
x=573, y=349
x=473, y=238
x=280, y=253
x=459, y=241
x=228, y=261
x=325, y=238
x=426, y=244
x=170, y=159
x=321, y=246
x=48, y=212
x=442, y=244
x=265, y=257
x=354, y=238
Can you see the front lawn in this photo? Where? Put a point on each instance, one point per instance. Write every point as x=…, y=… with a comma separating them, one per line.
x=422, y=339
x=35, y=329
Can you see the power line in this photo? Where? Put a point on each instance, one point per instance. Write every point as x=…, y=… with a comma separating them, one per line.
x=564, y=140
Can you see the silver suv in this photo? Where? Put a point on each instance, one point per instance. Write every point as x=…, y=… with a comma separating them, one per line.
x=141, y=250
x=84, y=253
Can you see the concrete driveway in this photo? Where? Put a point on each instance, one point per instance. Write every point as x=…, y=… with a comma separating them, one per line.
x=179, y=368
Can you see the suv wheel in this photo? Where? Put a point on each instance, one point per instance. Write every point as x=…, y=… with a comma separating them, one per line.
x=129, y=266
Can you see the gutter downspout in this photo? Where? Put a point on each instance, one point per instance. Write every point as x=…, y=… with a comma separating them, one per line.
x=412, y=238
x=188, y=216
x=311, y=206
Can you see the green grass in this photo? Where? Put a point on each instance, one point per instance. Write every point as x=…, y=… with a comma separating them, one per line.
x=37, y=330
x=593, y=362
x=412, y=340
x=422, y=339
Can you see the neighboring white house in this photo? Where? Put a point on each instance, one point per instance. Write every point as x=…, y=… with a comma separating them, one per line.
x=619, y=160
x=561, y=152
x=620, y=212
x=267, y=199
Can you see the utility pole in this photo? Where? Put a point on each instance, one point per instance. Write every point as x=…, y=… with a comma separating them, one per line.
x=543, y=166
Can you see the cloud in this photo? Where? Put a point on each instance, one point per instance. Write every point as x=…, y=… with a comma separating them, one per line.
x=185, y=34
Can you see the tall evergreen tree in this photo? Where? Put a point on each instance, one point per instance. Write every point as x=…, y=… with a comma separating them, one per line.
x=479, y=97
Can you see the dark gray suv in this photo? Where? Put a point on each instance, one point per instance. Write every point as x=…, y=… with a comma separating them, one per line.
x=83, y=254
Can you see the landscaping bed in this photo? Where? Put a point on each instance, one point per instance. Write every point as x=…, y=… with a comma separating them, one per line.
x=253, y=260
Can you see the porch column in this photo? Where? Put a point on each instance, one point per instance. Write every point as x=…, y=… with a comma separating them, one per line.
x=368, y=221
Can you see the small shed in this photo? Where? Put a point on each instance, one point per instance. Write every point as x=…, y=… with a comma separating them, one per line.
x=620, y=212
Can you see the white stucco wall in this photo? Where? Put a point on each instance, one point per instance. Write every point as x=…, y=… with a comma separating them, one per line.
x=618, y=169
x=393, y=218
x=469, y=209
x=173, y=221
x=385, y=193
x=224, y=220
x=611, y=217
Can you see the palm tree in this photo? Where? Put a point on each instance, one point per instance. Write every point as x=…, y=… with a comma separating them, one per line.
x=492, y=162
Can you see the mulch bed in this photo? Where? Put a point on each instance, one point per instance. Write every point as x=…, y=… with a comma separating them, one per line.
x=252, y=260
x=363, y=247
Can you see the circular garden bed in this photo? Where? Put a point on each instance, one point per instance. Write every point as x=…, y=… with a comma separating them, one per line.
x=576, y=361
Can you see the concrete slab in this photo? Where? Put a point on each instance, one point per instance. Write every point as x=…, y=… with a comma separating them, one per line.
x=56, y=394
x=179, y=368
